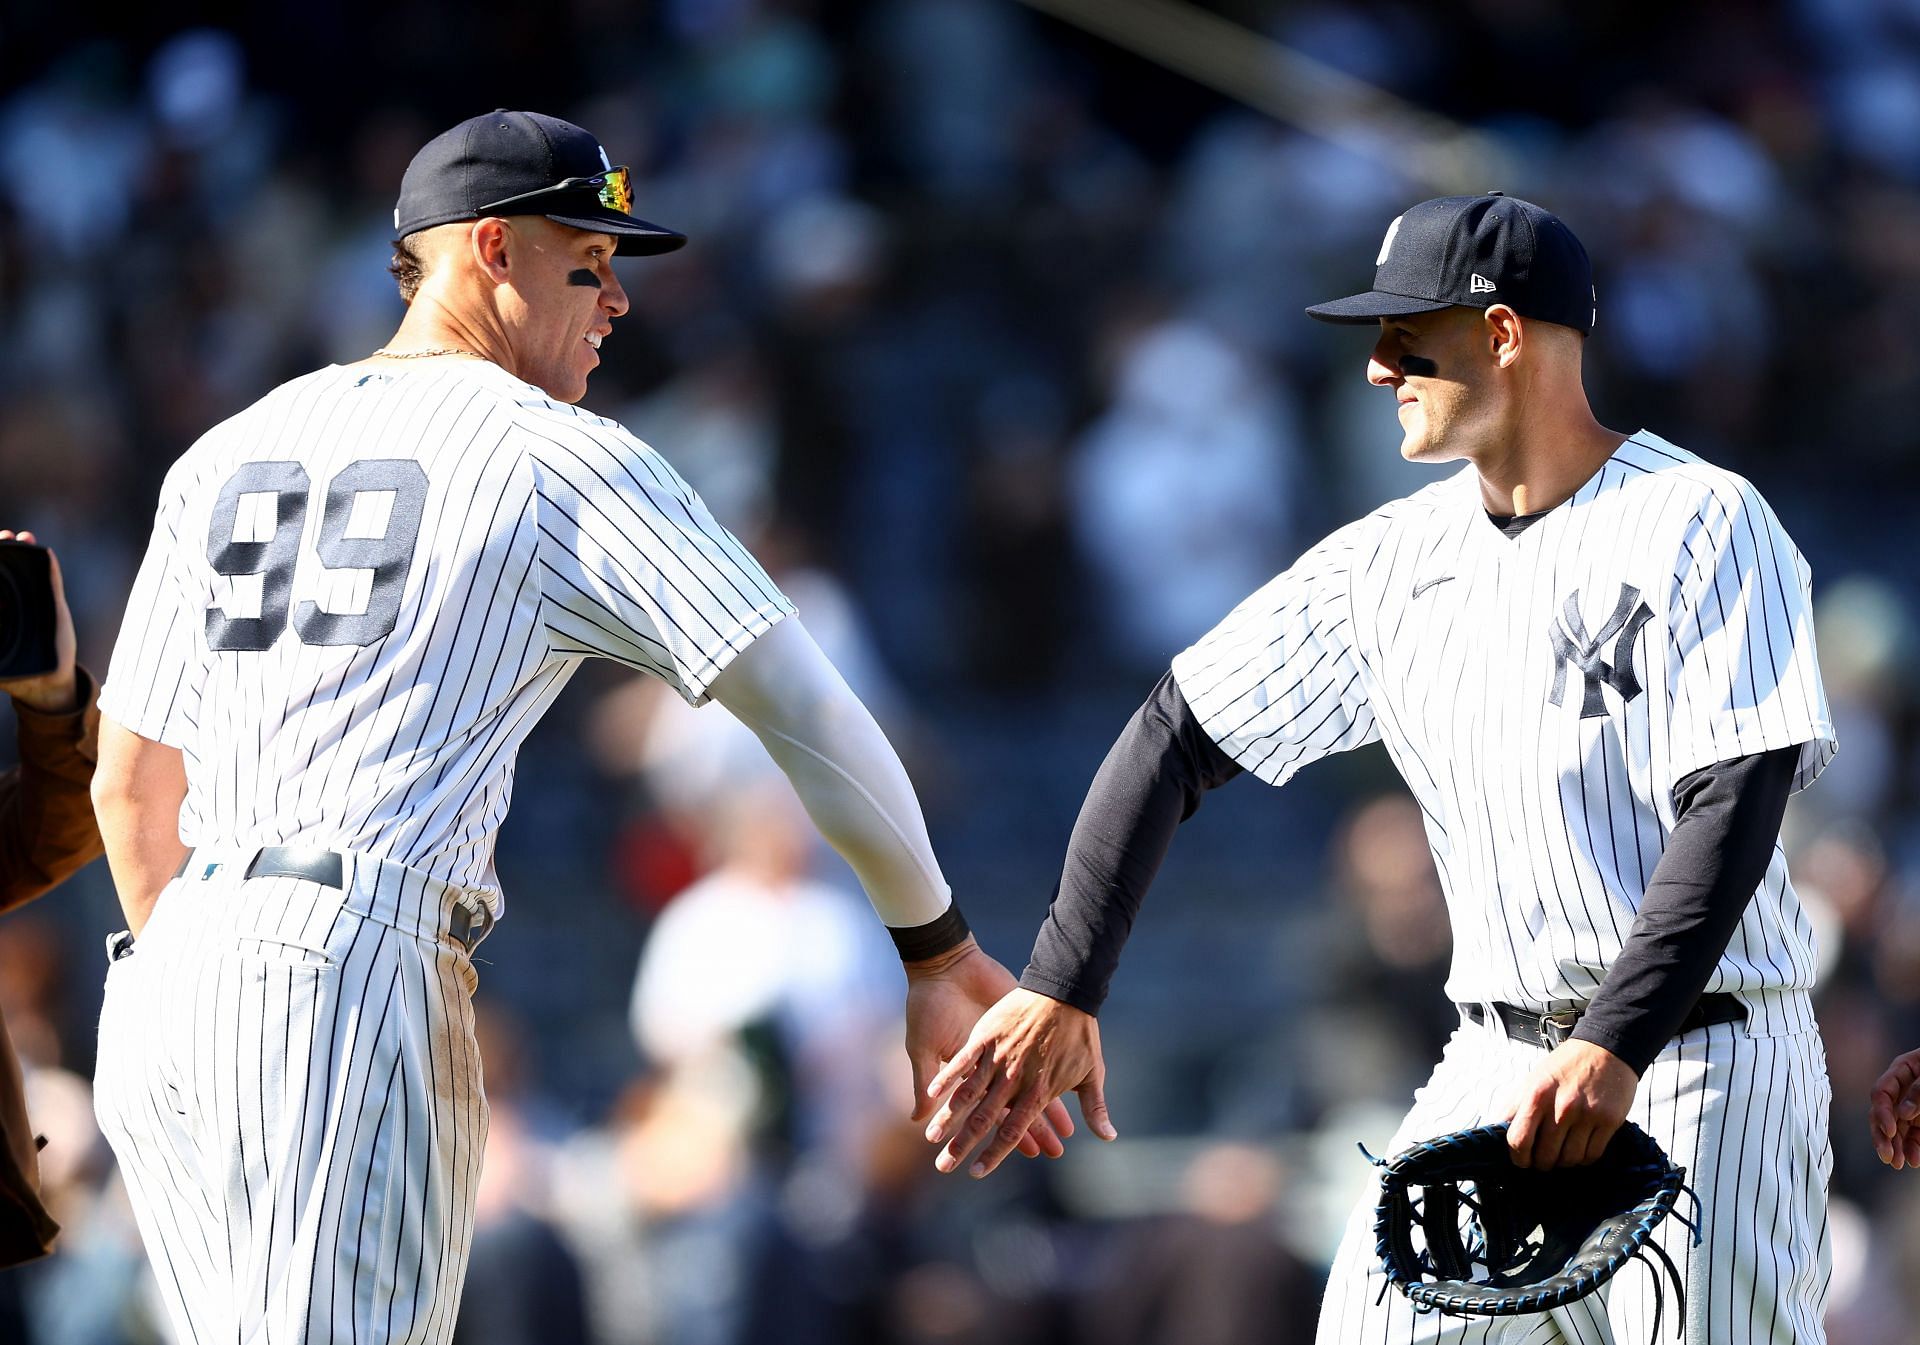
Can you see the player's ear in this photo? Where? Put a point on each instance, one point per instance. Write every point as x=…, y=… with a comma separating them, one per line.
x=488, y=240
x=1505, y=335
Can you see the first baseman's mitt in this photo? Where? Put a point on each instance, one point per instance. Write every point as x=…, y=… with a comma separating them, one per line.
x=1461, y=1230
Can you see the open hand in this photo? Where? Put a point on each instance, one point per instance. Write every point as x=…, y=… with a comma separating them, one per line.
x=1024, y=1053
x=946, y=995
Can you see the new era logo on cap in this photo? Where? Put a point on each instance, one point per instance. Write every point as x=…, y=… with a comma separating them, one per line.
x=1473, y=252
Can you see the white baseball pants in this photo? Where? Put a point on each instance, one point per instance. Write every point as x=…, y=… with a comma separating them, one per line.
x=1745, y=1115
x=288, y=1076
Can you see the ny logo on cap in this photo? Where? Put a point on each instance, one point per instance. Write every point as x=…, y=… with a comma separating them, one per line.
x=1386, y=244
x=1571, y=645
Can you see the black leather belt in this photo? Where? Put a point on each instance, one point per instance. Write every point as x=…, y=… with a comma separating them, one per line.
x=326, y=868
x=1548, y=1030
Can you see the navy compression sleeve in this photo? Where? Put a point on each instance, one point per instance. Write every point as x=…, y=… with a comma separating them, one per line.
x=1152, y=780
x=1722, y=842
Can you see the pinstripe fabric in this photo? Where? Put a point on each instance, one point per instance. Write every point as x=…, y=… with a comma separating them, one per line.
x=547, y=536
x=360, y=595
x=1541, y=696
x=1745, y=1115
x=289, y=1077
x=1423, y=627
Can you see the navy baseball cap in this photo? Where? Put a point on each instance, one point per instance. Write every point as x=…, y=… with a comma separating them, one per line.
x=523, y=163
x=1476, y=251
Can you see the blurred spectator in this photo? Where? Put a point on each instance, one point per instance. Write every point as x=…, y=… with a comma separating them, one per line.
x=1019, y=615
x=759, y=959
x=60, y=137
x=954, y=80
x=1382, y=969
x=523, y=1281
x=1865, y=1308
x=1869, y=653
x=1182, y=492
x=1215, y=1273
x=719, y=421
x=1263, y=215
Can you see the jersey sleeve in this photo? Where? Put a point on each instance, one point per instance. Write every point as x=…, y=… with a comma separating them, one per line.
x=634, y=568
x=1741, y=656
x=153, y=680
x=1279, y=683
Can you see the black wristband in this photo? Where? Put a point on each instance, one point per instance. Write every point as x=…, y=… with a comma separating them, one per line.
x=942, y=934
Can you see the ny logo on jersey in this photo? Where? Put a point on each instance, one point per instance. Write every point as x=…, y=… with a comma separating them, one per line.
x=1571, y=645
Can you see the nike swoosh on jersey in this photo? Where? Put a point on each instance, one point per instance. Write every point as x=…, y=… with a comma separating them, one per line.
x=1426, y=584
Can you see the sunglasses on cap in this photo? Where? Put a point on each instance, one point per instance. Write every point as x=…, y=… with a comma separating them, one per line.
x=613, y=187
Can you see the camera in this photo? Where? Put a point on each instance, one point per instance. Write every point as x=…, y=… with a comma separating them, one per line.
x=26, y=611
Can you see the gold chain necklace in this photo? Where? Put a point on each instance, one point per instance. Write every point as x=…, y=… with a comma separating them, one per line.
x=429, y=351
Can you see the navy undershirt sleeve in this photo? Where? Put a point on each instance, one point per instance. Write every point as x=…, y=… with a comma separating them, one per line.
x=1152, y=780
x=1728, y=824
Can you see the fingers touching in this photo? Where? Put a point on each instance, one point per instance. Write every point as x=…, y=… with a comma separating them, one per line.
x=1893, y=1113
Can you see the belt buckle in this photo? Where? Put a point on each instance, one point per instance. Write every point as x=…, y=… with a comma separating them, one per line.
x=1556, y=1027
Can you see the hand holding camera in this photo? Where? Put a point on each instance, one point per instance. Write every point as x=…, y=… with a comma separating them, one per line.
x=36, y=629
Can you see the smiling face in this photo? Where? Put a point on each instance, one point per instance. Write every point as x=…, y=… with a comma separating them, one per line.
x=1442, y=369
x=560, y=303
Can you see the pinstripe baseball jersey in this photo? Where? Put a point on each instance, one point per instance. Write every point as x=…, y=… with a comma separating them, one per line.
x=362, y=592
x=1541, y=695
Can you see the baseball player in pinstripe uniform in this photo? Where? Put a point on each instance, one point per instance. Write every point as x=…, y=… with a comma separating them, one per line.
x=1590, y=655
x=360, y=595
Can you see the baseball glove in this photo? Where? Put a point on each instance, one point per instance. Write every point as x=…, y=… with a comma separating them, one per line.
x=1461, y=1230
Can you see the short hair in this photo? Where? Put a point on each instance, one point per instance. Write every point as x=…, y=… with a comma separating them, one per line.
x=406, y=268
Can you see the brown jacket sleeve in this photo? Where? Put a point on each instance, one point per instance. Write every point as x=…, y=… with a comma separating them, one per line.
x=47, y=829
x=26, y=1229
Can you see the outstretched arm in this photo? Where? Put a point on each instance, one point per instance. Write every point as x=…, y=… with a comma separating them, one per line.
x=857, y=793
x=1042, y=1040
x=848, y=777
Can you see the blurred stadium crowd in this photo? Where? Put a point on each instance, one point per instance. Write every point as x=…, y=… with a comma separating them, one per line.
x=989, y=340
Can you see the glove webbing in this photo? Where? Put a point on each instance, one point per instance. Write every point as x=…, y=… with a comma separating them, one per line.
x=1440, y=1277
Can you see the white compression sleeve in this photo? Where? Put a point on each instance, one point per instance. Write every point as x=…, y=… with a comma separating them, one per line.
x=842, y=766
